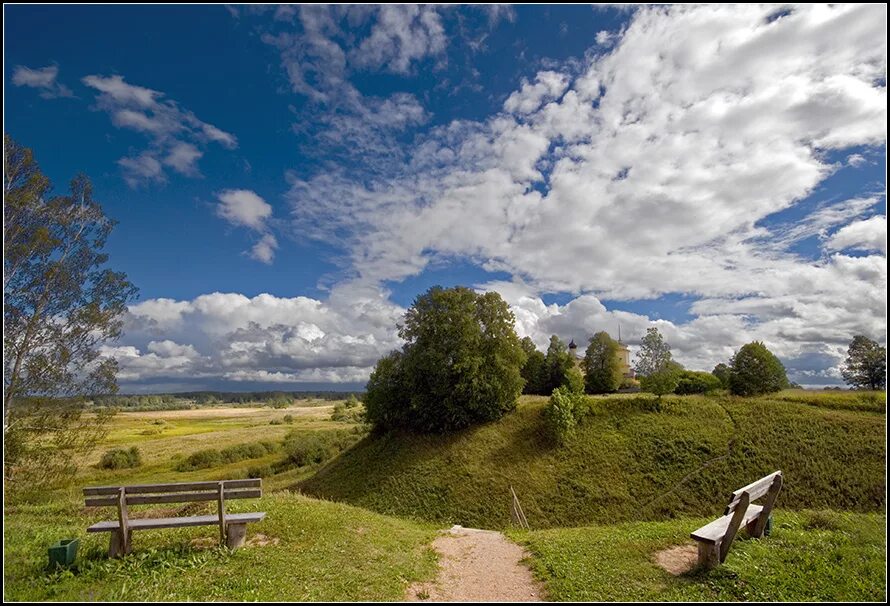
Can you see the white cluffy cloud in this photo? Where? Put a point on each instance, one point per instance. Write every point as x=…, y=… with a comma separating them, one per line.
x=242, y=207
x=43, y=79
x=659, y=167
x=230, y=337
x=176, y=136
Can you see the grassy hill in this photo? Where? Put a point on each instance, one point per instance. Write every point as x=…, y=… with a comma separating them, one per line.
x=626, y=463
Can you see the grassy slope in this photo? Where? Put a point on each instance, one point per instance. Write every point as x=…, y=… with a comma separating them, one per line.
x=325, y=552
x=624, y=462
x=810, y=555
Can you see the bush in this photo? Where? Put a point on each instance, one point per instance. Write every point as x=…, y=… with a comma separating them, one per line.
x=204, y=459
x=754, y=370
x=662, y=381
x=692, y=382
x=460, y=364
x=276, y=422
x=289, y=419
x=121, y=458
x=574, y=380
x=348, y=412
x=562, y=414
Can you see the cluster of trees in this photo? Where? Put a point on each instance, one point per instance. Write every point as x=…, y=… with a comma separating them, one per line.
x=460, y=365
x=275, y=399
x=545, y=372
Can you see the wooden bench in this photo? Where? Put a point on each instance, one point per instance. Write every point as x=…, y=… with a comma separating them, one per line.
x=232, y=526
x=715, y=539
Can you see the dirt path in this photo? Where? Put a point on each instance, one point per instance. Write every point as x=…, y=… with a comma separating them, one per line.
x=478, y=566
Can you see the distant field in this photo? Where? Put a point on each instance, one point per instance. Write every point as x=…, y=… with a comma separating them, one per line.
x=626, y=462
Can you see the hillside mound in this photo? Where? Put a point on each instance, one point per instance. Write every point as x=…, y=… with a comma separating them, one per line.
x=627, y=462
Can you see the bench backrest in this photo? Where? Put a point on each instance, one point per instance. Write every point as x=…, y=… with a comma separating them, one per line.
x=184, y=492
x=755, y=490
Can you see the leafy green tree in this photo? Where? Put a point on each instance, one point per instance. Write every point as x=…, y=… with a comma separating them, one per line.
x=692, y=382
x=461, y=364
x=654, y=354
x=721, y=371
x=557, y=364
x=664, y=380
x=60, y=304
x=533, y=369
x=574, y=381
x=866, y=364
x=563, y=413
x=755, y=370
x=601, y=364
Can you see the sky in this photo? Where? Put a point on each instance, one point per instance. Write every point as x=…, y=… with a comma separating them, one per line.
x=287, y=179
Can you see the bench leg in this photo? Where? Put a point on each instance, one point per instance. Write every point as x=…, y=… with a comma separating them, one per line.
x=235, y=534
x=708, y=554
x=116, y=546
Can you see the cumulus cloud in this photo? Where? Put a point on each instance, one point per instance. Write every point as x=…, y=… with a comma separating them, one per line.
x=176, y=136
x=653, y=170
x=227, y=336
x=242, y=207
x=870, y=234
x=44, y=79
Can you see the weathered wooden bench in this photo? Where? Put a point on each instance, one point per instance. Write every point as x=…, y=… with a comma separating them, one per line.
x=232, y=526
x=715, y=539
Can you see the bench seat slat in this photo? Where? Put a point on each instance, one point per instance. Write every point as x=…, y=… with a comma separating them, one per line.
x=178, y=487
x=713, y=532
x=176, y=497
x=150, y=523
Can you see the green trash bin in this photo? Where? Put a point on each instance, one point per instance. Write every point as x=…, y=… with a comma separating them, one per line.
x=63, y=552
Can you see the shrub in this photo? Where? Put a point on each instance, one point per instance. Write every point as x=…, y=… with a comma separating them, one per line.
x=574, y=380
x=663, y=380
x=754, y=370
x=121, y=458
x=276, y=422
x=347, y=412
x=692, y=382
x=204, y=459
x=563, y=413
x=289, y=419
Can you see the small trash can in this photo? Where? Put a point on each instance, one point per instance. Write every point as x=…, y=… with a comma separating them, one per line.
x=63, y=552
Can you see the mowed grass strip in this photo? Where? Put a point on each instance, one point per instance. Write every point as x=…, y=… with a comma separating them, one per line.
x=810, y=556
x=626, y=462
x=316, y=551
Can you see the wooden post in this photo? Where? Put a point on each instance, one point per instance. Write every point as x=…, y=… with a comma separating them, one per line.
x=235, y=534
x=708, y=554
x=221, y=500
x=757, y=529
x=120, y=539
x=734, y=524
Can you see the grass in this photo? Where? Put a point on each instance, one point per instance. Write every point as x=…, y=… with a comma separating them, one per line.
x=810, y=556
x=625, y=462
x=324, y=552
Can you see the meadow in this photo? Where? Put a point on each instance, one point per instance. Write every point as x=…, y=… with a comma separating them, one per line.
x=351, y=515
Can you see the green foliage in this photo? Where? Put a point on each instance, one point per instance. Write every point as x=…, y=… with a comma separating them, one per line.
x=557, y=364
x=460, y=365
x=692, y=382
x=866, y=364
x=59, y=305
x=204, y=459
x=601, y=364
x=348, y=412
x=564, y=410
x=664, y=380
x=574, y=380
x=121, y=458
x=289, y=419
x=624, y=462
x=820, y=556
x=310, y=448
x=654, y=354
x=721, y=371
x=754, y=370
x=533, y=371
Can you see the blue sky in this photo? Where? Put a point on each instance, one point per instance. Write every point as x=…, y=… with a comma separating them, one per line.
x=287, y=179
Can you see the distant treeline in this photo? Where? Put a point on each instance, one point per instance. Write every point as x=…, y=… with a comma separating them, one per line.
x=184, y=400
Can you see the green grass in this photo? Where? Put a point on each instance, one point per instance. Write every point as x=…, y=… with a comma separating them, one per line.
x=810, y=556
x=624, y=464
x=324, y=552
